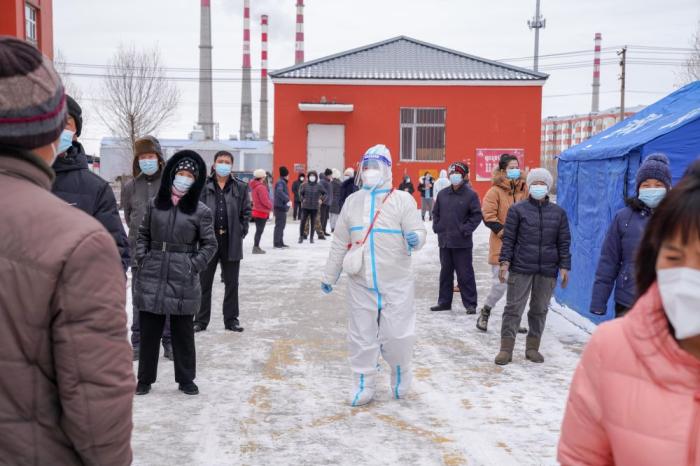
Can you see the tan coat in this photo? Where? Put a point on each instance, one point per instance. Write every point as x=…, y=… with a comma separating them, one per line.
x=498, y=200
x=66, y=377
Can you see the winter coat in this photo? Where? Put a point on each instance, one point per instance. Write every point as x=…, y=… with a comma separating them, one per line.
x=537, y=239
x=238, y=212
x=498, y=200
x=67, y=380
x=456, y=215
x=346, y=189
x=281, y=195
x=168, y=280
x=427, y=193
x=136, y=195
x=617, y=257
x=326, y=184
x=336, y=187
x=407, y=186
x=311, y=195
x=79, y=187
x=295, y=190
x=262, y=204
x=441, y=183
x=635, y=395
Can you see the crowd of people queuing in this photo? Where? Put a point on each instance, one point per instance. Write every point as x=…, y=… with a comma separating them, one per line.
x=64, y=256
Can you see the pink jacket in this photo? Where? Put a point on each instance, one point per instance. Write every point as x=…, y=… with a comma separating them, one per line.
x=635, y=397
x=262, y=204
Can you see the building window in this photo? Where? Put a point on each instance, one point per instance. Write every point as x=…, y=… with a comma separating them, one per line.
x=30, y=26
x=423, y=134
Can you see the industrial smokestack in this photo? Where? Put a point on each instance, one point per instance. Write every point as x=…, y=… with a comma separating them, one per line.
x=246, y=99
x=263, y=78
x=206, y=107
x=595, y=105
x=299, y=52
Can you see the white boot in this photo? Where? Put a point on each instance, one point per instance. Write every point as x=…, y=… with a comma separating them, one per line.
x=401, y=379
x=363, y=389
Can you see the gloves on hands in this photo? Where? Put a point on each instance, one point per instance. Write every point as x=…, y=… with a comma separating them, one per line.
x=326, y=288
x=412, y=239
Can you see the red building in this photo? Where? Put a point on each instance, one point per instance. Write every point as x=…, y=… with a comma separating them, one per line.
x=31, y=20
x=429, y=105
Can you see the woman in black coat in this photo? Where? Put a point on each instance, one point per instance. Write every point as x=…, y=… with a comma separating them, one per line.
x=228, y=199
x=406, y=185
x=176, y=242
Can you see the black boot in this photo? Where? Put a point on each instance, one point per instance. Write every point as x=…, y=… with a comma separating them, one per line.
x=440, y=307
x=189, y=388
x=143, y=388
x=482, y=322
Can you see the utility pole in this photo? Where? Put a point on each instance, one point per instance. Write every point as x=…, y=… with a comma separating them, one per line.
x=623, y=64
x=537, y=23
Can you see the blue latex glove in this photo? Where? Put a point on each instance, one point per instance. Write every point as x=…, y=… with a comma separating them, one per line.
x=326, y=288
x=412, y=239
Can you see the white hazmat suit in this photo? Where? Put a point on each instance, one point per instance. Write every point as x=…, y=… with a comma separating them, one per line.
x=380, y=297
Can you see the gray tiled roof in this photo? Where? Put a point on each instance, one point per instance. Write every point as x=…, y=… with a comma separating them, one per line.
x=404, y=58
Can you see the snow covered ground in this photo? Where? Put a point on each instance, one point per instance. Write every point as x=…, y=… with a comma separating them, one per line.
x=278, y=393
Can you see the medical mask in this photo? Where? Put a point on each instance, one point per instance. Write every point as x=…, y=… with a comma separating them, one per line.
x=66, y=141
x=408, y=180
x=652, y=196
x=346, y=177
x=680, y=294
x=148, y=166
x=183, y=183
x=513, y=173
x=538, y=191
x=223, y=169
x=456, y=178
x=312, y=179
x=371, y=178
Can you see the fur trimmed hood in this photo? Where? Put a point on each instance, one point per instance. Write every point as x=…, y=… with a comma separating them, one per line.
x=188, y=204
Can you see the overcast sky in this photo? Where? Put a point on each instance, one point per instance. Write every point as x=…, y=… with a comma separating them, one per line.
x=88, y=32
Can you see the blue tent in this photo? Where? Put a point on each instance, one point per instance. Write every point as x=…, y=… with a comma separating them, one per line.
x=597, y=175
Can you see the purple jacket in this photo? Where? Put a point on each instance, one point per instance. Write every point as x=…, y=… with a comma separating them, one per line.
x=617, y=256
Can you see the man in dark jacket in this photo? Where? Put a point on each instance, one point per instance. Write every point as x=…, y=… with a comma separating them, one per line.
x=281, y=207
x=348, y=187
x=336, y=187
x=147, y=168
x=325, y=182
x=296, y=214
x=456, y=215
x=312, y=194
x=228, y=199
x=535, y=251
x=79, y=187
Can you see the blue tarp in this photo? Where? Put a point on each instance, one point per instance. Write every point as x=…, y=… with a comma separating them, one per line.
x=596, y=176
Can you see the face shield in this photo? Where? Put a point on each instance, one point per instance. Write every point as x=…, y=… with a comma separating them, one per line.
x=375, y=168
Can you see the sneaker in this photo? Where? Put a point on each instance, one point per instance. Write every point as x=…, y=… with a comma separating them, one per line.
x=471, y=310
x=199, y=327
x=143, y=388
x=482, y=322
x=189, y=388
x=168, y=352
x=234, y=327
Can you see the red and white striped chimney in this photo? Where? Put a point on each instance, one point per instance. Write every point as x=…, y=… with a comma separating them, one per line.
x=246, y=98
x=595, y=104
x=263, y=78
x=299, y=50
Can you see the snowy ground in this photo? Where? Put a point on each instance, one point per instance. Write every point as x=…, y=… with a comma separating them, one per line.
x=277, y=393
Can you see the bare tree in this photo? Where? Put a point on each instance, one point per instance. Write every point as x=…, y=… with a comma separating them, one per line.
x=137, y=97
x=60, y=62
x=691, y=68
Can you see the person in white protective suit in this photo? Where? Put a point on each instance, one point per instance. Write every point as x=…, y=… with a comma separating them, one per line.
x=382, y=317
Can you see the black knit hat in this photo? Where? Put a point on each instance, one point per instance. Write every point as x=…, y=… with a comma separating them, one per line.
x=328, y=172
x=505, y=160
x=76, y=112
x=459, y=167
x=284, y=171
x=187, y=164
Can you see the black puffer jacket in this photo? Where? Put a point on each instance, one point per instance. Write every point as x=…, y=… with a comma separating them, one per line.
x=536, y=239
x=238, y=212
x=136, y=195
x=336, y=187
x=312, y=193
x=79, y=187
x=168, y=281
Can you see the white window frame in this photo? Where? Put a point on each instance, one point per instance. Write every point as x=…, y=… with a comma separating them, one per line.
x=414, y=126
x=31, y=30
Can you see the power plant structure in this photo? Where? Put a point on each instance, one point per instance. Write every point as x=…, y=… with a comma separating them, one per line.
x=595, y=103
x=246, y=131
x=299, y=48
x=206, y=100
x=263, y=77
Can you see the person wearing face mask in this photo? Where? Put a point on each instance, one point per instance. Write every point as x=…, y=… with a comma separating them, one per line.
x=262, y=206
x=67, y=384
x=281, y=208
x=377, y=230
x=296, y=213
x=348, y=187
x=326, y=201
x=634, y=398
x=228, y=200
x=509, y=187
x=406, y=185
x=147, y=168
x=336, y=187
x=535, y=251
x=79, y=187
x=176, y=243
x=441, y=183
x=426, y=190
x=312, y=194
x=616, y=264
x=456, y=215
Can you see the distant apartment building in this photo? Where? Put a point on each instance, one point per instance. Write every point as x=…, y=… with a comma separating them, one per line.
x=31, y=20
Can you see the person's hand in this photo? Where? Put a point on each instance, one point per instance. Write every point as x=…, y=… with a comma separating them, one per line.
x=503, y=272
x=564, y=277
x=412, y=239
x=326, y=288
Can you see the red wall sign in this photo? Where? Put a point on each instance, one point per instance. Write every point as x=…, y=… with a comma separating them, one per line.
x=487, y=161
